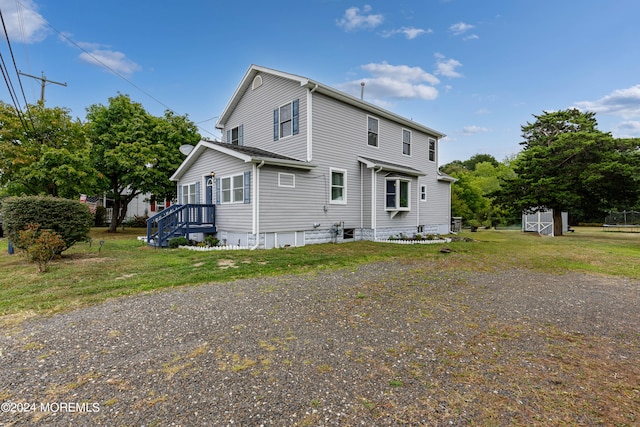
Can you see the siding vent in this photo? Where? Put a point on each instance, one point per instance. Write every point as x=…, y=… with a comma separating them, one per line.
x=257, y=82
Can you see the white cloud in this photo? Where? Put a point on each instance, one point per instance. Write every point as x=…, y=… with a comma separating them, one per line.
x=354, y=20
x=394, y=82
x=623, y=103
x=447, y=67
x=471, y=37
x=628, y=129
x=472, y=130
x=401, y=72
x=23, y=22
x=115, y=61
x=460, y=28
x=409, y=32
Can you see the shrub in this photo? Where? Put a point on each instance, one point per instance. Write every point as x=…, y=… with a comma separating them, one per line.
x=178, y=241
x=40, y=246
x=70, y=219
x=211, y=241
x=100, y=217
x=138, y=221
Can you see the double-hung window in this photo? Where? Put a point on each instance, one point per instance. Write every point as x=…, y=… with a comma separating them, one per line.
x=338, y=186
x=235, y=135
x=232, y=189
x=406, y=142
x=286, y=120
x=397, y=194
x=372, y=130
x=432, y=150
x=189, y=193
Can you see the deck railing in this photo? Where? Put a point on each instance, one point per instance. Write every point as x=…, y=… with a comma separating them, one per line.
x=180, y=220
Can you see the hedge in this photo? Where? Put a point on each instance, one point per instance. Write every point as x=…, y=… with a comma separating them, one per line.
x=71, y=219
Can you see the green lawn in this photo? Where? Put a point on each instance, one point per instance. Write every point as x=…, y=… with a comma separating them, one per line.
x=88, y=273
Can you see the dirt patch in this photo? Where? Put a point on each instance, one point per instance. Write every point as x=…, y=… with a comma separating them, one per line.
x=84, y=258
x=226, y=263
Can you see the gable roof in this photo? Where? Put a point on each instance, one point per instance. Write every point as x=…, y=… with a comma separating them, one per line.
x=246, y=154
x=320, y=88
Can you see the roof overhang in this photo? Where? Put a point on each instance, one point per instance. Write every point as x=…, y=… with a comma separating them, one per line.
x=445, y=178
x=262, y=158
x=323, y=89
x=380, y=165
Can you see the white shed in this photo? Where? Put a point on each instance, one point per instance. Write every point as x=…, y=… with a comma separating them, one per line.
x=541, y=222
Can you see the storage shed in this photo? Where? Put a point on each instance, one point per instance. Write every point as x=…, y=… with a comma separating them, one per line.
x=541, y=222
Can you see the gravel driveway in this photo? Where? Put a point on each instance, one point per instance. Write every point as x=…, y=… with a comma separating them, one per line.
x=383, y=344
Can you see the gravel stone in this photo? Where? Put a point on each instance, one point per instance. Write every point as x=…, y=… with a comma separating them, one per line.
x=382, y=344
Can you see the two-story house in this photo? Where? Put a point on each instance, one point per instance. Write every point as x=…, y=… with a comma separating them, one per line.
x=301, y=162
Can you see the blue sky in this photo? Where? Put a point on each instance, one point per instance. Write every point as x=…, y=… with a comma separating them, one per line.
x=476, y=71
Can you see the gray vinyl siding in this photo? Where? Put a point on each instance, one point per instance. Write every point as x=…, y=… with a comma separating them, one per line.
x=286, y=208
x=336, y=134
x=339, y=128
x=436, y=210
x=338, y=137
x=255, y=113
x=236, y=216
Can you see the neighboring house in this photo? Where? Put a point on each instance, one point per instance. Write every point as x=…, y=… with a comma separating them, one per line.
x=304, y=163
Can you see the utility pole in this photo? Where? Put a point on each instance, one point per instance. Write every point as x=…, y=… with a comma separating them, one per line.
x=44, y=82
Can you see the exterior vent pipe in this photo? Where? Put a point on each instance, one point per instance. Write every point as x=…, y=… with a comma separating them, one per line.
x=362, y=91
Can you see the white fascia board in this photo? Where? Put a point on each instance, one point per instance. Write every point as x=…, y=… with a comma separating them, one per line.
x=284, y=163
x=191, y=157
x=370, y=164
x=246, y=82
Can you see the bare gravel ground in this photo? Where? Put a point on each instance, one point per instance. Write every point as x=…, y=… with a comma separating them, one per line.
x=384, y=344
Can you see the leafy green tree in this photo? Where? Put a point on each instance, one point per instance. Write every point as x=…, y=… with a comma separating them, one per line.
x=567, y=164
x=479, y=158
x=135, y=152
x=478, y=178
x=43, y=151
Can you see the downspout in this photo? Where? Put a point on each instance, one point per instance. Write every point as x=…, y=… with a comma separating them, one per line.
x=374, y=199
x=310, y=123
x=256, y=203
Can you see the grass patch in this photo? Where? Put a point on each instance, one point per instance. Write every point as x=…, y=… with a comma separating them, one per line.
x=90, y=273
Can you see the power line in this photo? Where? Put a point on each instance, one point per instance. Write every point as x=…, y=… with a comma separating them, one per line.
x=7, y=79
x=114, y=71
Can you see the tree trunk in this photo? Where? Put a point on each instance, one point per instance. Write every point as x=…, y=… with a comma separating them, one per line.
x=557, y=222
x=117, y=217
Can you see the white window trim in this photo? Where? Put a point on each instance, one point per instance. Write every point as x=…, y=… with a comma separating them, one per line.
x=397, y=207
x=290, y=103
x=423, y=193
x=237, y=129
x=344, y=187
x=410, y=142
x=291, y=176
x=378, y=139
x=187, y=194
x=232, y=189
x=435, y=149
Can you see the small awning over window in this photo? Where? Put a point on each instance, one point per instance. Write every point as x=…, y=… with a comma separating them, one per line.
x=390, y=167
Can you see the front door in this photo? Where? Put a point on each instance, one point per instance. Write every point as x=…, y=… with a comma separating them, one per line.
x=209, y=192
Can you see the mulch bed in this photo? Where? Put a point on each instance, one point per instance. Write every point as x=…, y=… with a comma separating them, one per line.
x=388, y=343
